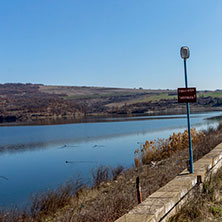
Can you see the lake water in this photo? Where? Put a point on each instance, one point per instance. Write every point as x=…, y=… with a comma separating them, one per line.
x=35, y=158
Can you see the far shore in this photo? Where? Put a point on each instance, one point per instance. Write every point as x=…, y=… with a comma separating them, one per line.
x=95, y=117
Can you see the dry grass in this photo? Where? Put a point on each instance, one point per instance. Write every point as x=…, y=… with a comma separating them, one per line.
x=116, y=172
x=137, y=162
x=206, y=204
x=43, y=204
x=157, y=150
x=14, y=215
x=46, y=204
x=102, y=174
x=49, y=202
x=105, y=174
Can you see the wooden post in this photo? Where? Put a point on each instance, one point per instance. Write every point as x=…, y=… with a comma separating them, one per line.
x=138, y=189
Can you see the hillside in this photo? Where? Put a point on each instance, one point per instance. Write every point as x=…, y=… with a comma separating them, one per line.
x=28, y=102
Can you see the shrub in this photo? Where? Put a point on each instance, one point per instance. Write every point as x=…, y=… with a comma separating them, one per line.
x=50, y=201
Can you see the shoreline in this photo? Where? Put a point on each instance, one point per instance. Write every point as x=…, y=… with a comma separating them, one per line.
x=95, y=118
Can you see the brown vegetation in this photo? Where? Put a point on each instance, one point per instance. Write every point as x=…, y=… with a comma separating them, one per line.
x=157, y=150
x=206, y=205
x=44, y=204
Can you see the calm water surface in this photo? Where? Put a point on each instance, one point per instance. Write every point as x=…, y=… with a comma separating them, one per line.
x=35, y=158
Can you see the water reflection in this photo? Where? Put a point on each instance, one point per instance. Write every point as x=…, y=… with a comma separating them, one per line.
x=89, y=119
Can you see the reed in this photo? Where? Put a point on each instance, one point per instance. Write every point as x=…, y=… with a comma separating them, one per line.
x=157, y=150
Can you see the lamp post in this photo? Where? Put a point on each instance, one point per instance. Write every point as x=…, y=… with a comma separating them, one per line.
x=185, y=54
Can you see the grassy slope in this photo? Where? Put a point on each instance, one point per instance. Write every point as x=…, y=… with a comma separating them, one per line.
x=215, y=94
x=91, y=92
x=157, y=96
x=144, y=95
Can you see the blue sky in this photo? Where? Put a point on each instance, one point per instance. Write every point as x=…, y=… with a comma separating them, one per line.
x=116, y=43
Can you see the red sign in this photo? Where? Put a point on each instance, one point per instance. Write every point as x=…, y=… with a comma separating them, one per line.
x=187, y=95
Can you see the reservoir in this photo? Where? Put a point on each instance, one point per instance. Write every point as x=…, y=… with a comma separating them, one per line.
x=36, y=158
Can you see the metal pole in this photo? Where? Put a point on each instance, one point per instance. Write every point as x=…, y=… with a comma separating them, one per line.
x=188, y=122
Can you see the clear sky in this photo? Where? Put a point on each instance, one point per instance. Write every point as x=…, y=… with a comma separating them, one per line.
x=116, y=43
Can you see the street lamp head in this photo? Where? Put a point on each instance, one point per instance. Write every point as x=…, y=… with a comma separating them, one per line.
x=185, y=52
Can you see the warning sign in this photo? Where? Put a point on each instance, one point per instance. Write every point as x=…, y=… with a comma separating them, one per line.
x=187, y=95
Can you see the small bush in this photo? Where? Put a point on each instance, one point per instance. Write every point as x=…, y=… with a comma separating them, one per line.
x=44, y=204
x=48, y=202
